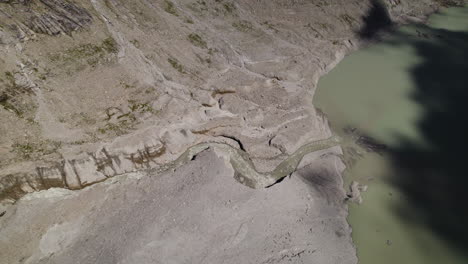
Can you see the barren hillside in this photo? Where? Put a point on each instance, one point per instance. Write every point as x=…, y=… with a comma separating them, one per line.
x=95, y=89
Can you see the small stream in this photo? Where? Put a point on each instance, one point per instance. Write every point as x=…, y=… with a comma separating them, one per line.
x=400, y=107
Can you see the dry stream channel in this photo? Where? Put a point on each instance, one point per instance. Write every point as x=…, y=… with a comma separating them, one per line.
x=398, y=106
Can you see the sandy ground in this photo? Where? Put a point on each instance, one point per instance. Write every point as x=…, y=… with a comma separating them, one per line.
x=197, y=214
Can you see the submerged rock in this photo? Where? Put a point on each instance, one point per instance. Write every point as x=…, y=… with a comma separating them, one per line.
x=355, y=191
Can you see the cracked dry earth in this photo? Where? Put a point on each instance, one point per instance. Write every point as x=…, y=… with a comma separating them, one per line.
x=104, y=102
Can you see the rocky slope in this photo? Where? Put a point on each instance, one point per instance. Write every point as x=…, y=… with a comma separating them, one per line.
x=95, y=89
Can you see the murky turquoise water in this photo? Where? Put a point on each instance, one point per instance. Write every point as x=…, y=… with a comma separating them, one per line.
x=379, y=91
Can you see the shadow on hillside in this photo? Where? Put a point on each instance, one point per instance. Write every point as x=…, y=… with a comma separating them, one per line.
x=375, y=21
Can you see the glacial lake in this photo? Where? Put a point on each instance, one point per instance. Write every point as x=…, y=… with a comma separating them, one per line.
x=405, y=100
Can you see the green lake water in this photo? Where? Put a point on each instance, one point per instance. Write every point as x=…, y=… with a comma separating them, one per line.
x=406, y=92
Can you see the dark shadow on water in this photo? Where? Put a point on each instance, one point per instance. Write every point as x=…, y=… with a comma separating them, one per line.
x=376, y=20
x=435, y=179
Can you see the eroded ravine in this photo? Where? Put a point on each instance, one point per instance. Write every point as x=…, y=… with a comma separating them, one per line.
x=246, y=173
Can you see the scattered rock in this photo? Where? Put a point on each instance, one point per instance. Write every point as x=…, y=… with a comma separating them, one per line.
x=355, y=190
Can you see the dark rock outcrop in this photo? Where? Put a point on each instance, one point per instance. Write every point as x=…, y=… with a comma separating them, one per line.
x=51, y=17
